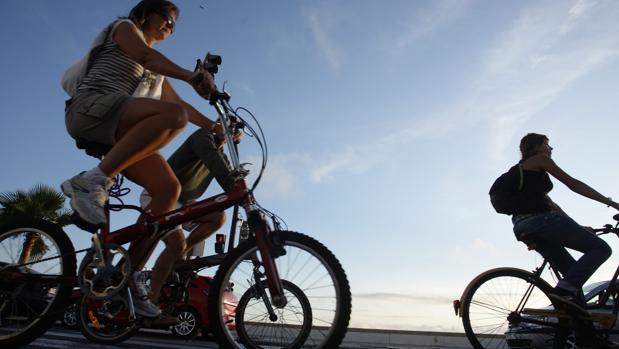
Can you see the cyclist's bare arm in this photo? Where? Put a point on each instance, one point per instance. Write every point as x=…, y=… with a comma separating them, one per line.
x=545, y=163
x=195, y=117
x=128, y=39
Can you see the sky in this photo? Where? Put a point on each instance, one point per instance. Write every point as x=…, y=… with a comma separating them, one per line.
x=386, y=122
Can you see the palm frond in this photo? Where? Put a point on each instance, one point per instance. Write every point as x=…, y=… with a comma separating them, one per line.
x=40, y=202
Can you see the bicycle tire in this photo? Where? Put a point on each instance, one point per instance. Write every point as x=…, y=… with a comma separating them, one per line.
x=309, y=265
x=492, y=296
x=107, y=330
x=249, y=330
x=27, y=310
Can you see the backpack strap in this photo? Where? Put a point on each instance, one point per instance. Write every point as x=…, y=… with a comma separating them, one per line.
x=521, y=180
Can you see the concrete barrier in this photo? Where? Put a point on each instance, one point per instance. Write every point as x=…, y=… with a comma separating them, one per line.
x=370, y=338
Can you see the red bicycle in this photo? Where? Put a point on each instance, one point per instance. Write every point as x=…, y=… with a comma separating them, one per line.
x=291, y=290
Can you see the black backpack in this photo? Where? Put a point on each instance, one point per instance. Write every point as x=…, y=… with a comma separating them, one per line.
x=506, y=193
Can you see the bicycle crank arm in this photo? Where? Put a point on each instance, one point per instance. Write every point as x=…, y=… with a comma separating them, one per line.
x=130, y=304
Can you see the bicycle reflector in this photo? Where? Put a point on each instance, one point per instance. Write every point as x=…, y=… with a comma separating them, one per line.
x=220, y=242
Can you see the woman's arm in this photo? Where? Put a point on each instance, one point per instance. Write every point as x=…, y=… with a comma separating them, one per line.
x=547, y=164
x=128, y=39
x=195, y=117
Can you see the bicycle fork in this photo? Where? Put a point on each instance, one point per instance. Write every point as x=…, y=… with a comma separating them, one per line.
x=269, y=249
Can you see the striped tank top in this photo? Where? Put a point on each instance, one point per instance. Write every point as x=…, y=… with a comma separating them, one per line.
x=112, y=71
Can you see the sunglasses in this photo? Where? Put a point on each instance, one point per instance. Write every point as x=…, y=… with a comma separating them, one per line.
x=169, y=21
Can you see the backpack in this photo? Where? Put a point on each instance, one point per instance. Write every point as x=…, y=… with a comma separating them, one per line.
x=506, y=194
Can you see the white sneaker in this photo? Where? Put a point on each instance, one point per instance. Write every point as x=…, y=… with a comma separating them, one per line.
x=141, y=302
x=88, y=196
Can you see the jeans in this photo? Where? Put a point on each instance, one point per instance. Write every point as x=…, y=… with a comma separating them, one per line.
x=552, y=233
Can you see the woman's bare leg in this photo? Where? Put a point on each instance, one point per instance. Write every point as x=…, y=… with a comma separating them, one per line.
x=146, y=125
x=175, y=244
x=155, y=175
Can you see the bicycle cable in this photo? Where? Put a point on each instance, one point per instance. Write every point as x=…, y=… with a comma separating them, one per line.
x=116, y=191
x=261, y=140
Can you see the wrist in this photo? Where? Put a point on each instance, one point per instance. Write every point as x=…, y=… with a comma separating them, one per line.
x=193, y=78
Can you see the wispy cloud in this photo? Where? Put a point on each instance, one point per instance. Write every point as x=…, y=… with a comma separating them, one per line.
x=427, y=20
x=282, y=175
x=386, y=296
x=404, y=311
x=321, y=23
x=529, y=67
x=534, y=62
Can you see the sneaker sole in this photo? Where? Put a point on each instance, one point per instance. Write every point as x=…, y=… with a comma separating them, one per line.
x=67, y=189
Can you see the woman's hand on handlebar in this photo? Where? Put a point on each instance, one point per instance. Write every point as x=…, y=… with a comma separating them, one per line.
x=203, y=83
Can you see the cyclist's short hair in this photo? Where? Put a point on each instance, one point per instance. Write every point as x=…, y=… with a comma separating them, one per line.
x=530, y=143
x=145, y=8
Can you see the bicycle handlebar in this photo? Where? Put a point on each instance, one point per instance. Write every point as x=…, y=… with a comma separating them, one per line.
x=608, y=228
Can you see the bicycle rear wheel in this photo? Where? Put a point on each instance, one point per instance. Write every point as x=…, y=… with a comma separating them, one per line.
x=492, y=306
x=308, y=265
x=33, y=296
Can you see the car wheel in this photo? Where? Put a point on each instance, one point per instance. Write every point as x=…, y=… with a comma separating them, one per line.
x=189, y=323
x=69, y=317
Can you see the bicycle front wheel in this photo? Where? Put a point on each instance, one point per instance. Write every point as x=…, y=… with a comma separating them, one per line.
x=310, y=267
x=288, y=328
x=492, y=308
x=33, y=296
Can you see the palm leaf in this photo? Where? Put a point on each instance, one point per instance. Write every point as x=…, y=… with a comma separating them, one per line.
x=41, y=202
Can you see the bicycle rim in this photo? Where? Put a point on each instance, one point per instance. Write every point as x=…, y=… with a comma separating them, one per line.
x=27, y=309
x=492, y=297
x=310, y=267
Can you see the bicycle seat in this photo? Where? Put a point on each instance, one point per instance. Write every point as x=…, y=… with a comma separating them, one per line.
x=94, y=149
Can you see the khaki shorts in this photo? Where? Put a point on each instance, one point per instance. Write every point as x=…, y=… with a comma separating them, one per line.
x=95, y=116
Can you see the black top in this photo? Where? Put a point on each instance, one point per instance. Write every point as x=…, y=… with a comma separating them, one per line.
x=536, y=187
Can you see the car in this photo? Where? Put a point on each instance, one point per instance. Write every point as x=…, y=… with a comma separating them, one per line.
x=527, y=335
x=69, y=317
x=192, y=311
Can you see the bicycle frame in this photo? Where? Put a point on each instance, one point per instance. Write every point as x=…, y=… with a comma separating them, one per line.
x=239, y=195
x=610, y=291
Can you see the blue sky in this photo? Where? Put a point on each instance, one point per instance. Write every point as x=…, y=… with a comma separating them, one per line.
x=387, y=122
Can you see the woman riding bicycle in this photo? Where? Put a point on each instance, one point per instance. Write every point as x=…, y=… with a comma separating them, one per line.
x=104, y=110
x=541, y=222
